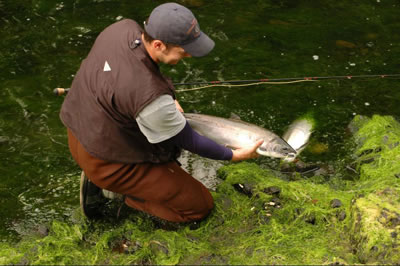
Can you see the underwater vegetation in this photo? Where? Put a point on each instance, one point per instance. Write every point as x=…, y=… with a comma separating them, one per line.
x=260, y=217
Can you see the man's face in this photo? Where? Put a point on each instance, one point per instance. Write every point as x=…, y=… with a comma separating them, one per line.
x=173, y=54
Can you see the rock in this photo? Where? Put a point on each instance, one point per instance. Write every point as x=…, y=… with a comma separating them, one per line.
x=357, y=123
x=298, y=211
x=368, y=160
x=394, y=221
x=318, y=148
x=372, y=228
x=341, y=215
x=310, y=218
x=273, y=203
x=304, y=168
x=24, y=261
x=226, y=203
x=273, y=190
x=264, y=219
x=371, y=36
x=391, y=146
x=246, y=189
x=277, y=202
x=366, y=152
x=214, y=259
x=192, y=238
x=324, y=171
x=345, y=44
x=158, y=247
x=125, y=246
x=194, y=225
x=43, y=230
x=336, y=203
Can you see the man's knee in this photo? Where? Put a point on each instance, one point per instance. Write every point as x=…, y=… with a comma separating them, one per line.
x=202, y=210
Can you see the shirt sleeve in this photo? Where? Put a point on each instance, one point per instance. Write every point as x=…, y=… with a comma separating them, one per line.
x=160, y=120
x=190, y=140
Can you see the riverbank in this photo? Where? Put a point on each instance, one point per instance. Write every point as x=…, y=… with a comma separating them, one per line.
x=260, y=217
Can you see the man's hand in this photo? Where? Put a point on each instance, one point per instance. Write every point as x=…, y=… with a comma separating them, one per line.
x=247, y=152
x=178, y=106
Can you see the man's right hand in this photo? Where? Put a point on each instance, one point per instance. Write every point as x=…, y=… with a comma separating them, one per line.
x=247, y=152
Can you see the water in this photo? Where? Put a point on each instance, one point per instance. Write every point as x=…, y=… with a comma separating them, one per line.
x=44, y=41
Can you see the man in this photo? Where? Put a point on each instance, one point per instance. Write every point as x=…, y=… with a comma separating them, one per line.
x=125, y=127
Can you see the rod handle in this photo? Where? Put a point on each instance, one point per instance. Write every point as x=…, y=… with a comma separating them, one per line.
x=60, y=91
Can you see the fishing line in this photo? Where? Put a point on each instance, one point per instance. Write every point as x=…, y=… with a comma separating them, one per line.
x=253, y=82
x=243, y=85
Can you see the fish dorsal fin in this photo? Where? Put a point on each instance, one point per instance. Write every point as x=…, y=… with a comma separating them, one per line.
x=235, y=117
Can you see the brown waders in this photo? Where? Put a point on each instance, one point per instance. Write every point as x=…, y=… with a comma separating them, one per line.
x=163, y=190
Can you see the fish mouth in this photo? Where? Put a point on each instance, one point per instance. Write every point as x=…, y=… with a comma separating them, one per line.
x=289, y=151
x=291, y=155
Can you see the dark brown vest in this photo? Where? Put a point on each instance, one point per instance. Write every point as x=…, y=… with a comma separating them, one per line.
x=105, y=98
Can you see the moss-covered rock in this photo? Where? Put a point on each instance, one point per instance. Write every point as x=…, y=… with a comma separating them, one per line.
x=375, y=214
x=375, y=229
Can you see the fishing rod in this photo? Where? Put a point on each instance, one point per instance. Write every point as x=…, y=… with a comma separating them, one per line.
x=249, y=82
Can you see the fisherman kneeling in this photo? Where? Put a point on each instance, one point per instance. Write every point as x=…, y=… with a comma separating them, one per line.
x=125, y=128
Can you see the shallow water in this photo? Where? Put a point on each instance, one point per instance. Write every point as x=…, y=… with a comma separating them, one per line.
x=43, y=42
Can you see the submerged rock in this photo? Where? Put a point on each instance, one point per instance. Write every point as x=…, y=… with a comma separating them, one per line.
x=341, y=215
x=158, y=247
x=272, y=190
x=345, y=44
x=336, y=203
x=245, y=188
x=43, y=230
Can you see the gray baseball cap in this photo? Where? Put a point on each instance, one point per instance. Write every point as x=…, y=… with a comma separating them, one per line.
x=175, y=24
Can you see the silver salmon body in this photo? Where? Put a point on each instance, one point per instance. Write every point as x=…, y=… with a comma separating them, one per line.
x=235, y=133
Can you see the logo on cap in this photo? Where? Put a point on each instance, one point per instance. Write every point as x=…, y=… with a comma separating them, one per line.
x=195, y=28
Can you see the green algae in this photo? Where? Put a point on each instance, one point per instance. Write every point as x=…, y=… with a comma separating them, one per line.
x=260, y=217
x=238, y=231
x=375, y=212
x=375, y=228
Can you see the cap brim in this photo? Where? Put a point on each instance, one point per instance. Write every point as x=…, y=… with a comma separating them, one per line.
x=201, y=46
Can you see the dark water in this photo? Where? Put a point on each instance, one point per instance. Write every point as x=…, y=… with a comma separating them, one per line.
x=43, y=42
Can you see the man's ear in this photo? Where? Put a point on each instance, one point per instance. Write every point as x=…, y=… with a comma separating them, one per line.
x=159, y=45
